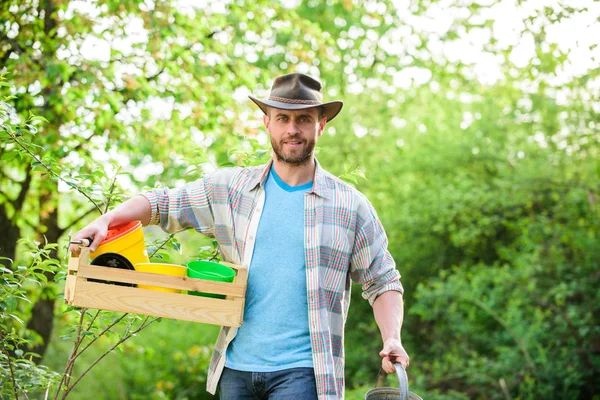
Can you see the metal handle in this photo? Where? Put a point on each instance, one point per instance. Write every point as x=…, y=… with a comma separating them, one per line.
x=83, y=242
x=402, y=380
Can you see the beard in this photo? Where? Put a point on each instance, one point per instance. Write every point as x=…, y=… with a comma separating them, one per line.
x=291, y=156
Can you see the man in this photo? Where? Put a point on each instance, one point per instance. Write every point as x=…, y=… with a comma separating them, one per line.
x=304, y=235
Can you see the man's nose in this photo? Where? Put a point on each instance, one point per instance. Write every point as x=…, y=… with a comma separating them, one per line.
x=293, y=128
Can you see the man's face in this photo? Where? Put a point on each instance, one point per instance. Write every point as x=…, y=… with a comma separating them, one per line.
x=294, y=133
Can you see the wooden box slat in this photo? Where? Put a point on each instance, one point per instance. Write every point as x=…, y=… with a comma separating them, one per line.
x=80, y=292
x=74, y=261
x=159, y=304
x=70, y=288
x=165, y=281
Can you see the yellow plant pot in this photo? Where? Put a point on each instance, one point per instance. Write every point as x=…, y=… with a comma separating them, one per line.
x=126, y=240
x=164, y=269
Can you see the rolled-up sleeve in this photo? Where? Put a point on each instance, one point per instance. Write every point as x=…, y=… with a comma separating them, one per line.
x=188, y=207
x=371, y=264
x=153, y=200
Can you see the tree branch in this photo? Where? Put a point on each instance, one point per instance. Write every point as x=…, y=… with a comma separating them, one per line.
x=76, y=345
x=78, y=342
x=77, y=220
x=5, y=57
x=100, y=334
x=163, y=244
x=35, y=157
x=72, y=362
x=10, y=366
x=111, y=190
x=93, y=319
x=156, y=75
x=15, y=45
x=49, y=22
x=142, y=326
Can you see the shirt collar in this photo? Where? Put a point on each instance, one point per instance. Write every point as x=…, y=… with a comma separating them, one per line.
x=319, y=187
x=259, y=177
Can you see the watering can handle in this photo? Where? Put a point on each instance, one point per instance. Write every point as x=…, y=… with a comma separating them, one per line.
x=402, y=380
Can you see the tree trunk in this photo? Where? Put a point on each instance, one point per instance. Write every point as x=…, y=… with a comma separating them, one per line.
x=42, y=323
x=10, y=235
x=42, y=314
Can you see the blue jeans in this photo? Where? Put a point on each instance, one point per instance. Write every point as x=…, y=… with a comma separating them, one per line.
x=293, y=383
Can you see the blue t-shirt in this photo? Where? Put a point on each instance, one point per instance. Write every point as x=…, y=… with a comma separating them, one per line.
x=275, y=335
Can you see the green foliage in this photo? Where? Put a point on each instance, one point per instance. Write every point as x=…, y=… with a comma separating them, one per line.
x=173, y=372
x=488, y=190
x=18, y=372
x=535, y=302
x=158, y=363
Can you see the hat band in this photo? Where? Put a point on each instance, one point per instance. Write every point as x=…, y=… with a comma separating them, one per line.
x=294, y=101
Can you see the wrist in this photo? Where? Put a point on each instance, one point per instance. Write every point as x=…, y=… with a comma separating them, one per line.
x=107, y=218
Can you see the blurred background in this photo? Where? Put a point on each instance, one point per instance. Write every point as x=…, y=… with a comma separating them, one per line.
x=472, y=126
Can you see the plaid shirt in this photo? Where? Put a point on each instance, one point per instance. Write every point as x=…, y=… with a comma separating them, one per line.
x=343, y=240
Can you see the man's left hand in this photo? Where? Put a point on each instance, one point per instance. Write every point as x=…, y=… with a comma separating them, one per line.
x=393, y=352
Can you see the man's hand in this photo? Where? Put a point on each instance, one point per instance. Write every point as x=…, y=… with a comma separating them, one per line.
x=97, y=230
x=393, y=352
x=135, y=209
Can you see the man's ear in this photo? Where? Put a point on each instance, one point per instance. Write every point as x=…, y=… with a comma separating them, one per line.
x=322, y=124
x=266, y=121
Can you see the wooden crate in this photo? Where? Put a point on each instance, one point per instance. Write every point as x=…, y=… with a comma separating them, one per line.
x=80, y=292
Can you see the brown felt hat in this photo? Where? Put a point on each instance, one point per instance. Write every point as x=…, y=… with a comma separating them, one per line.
x=298, y=92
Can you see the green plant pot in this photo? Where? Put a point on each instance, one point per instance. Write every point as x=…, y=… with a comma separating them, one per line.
x=209, y=271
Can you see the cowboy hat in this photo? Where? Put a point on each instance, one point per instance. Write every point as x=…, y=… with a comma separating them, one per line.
x=298, y=92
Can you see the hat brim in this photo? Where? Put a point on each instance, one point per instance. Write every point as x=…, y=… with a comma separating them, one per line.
x=330, y=109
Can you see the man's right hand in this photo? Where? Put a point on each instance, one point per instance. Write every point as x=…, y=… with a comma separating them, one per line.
x=135, y=209
x=96, y=230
